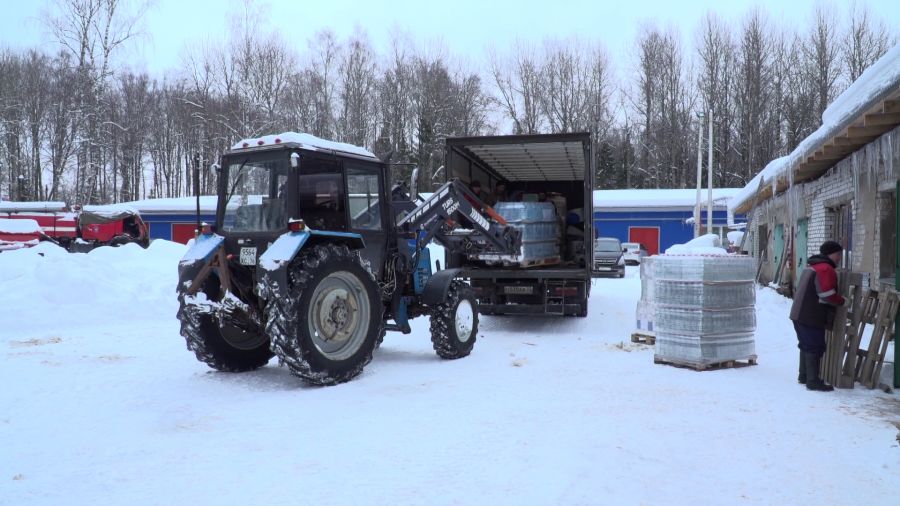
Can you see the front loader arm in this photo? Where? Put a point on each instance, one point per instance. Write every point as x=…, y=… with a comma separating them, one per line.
x=437, y=215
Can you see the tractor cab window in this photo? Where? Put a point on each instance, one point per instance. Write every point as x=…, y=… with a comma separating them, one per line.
x=365, y=207
x=322, y=200
x=256, y=196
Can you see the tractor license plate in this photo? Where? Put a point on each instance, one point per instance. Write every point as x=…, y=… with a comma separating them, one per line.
x=248, y=256
x=518, y=290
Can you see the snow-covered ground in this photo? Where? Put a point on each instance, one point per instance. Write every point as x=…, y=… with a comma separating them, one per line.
x=102, y=404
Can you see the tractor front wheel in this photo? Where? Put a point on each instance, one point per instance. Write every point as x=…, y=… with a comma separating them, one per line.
x=328, y=326
x=454, y=323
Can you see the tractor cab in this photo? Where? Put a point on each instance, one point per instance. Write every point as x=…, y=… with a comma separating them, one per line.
x=332, y=187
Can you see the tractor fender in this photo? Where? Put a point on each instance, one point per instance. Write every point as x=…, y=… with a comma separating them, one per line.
x=436, y=290
x=274, y=262
x=286, y=247
x=198, y=256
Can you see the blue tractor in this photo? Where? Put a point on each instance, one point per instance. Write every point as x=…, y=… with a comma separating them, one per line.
x=314, y=255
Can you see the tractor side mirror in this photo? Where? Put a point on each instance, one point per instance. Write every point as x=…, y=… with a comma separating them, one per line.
x=414, y=184
x=214, y=167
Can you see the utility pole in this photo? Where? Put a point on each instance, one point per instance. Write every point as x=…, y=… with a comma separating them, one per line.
x=709, y=176
x=699, y=173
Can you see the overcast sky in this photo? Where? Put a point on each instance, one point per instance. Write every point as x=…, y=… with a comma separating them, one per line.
x=464, y=28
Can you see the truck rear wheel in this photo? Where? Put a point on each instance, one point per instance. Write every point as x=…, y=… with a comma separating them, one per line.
x=454, y=323
x=237, y=346
x=332, y=320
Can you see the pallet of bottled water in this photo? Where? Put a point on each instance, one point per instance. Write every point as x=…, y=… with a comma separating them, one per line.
x=705, y=322
x=537, y=222
x=704, y=308
x=526, y=212
x=704, y=268
x=646, y=307
x=704, y=294
x=691, y=349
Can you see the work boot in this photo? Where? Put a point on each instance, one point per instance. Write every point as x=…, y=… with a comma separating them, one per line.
x=801, y=378
x=813, y=382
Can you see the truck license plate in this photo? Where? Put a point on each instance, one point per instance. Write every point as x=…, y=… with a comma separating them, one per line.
x=604, y=268
x=248, y=256
x=518, y=290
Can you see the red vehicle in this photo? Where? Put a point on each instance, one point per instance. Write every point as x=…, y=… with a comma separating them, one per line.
x=54, y=219
x=81, y=230
x=112, y=225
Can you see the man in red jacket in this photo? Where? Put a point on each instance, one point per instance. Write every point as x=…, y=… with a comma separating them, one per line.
x=812, y=311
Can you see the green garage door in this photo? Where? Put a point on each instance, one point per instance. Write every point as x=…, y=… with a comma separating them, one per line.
x=779, y=249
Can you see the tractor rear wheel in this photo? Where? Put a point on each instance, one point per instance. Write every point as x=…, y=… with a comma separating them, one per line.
x=454, y=323
x=328, y=327
x=237, y=345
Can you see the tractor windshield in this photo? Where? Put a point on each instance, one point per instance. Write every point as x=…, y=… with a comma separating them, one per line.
x=256, y=196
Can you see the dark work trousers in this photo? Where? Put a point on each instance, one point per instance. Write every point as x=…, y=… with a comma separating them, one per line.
x=810, y=339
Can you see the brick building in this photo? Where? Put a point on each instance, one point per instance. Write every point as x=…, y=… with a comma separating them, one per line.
x=840, y=183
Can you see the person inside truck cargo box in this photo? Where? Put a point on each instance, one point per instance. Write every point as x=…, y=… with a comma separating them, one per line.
x=475, y=188
x=499, y=193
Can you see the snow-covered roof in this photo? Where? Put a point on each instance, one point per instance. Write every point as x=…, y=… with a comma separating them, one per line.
x=7, y=206
x=111, y=210
x=174, y=205
x=877, y=83
x=19, y=226
x=304, y=140
x=677, y=198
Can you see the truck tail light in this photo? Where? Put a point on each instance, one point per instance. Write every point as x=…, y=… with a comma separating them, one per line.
x=566, y=291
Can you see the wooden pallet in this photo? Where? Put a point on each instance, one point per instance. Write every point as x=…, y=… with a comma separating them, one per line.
x=881, y=335
x=862, y=309
x=836, y=339
x=712, y=366
x=845, y=362
x=642, y=338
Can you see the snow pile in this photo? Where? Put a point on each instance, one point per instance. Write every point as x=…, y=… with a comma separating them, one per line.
x=880, y=78
x=19, y=226
x=305, y=140
x=107, y=283
x=735, y=237
x=102, y=404
x=708, y=244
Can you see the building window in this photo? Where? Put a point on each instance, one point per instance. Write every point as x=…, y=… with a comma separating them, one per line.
x=843, y=232
x=762, y=246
